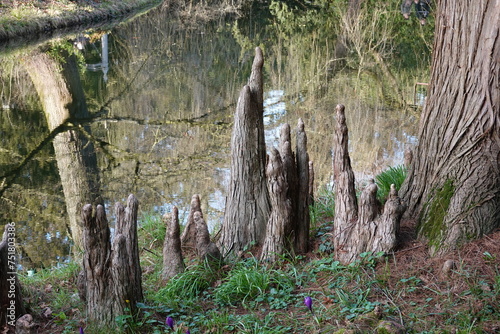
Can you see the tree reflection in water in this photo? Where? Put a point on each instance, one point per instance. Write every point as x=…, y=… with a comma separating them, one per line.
x=161, y=120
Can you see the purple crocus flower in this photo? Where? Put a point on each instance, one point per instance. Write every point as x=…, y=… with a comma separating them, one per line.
x=188, y=332
x=170, y=322
x=81, y=330
x=309, y=303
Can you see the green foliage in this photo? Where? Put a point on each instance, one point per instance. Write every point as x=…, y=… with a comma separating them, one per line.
x=324, y=205
x=246, y=281
x=244, y=298
x=58, y=286
x=54, y=275
x=393, y=175
x=303, y=20
x=325, y=238
x=153, y=229
x=256, y=324
x=354, y=302
x=376, y=24
x=185, y=287
x=321, y=213
x=250, y=283
x=62, y=50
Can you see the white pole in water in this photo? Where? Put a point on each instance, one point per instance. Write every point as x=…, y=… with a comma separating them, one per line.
x=104, y=56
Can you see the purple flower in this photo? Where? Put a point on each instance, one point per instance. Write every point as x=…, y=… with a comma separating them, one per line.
x=170, y=322
x=309, y=303
x=81, y=330
x=188, y=332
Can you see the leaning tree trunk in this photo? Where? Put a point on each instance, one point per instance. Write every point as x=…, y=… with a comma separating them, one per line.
x=11, y=301
x=247, y=203
x=366, y=230
x=112, y=274
x=453, y=182
x=63, y=100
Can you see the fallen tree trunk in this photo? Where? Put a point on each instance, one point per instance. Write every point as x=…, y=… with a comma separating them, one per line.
x=364, y=229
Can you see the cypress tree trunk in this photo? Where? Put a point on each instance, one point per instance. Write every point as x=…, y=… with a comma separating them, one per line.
x=367, y=230
x=311, y=183
x=302, y=210
x=277, y=242
x=346, y=204
x=206, y=249
x=291, y=179
x=173, y=262
x=188, y=238
x=63, y=99
x=453, y=181
x=247, y=203
x=112, y=274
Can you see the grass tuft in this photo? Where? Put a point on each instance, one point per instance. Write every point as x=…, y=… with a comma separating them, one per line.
x=393, y=175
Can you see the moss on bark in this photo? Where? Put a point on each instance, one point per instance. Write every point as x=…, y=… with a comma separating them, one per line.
x=432, y=223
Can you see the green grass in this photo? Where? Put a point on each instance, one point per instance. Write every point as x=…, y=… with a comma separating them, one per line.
x=29, y=17
x=250, y=283
x=323, y=207
x=392, y=175
x=247, y=296
x=186, y=287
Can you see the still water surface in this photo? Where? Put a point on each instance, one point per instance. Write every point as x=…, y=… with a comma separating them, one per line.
x=161, y=97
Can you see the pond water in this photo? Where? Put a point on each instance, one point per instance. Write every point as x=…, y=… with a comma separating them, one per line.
x=160, y=97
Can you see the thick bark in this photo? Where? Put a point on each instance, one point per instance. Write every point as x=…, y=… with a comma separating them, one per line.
x=11, y=301
x=311, y=183
x=207, y=251
x=302, y=210
x=247, y=203
x=408, y=157
x=291, y=179
x=366, y=230
x=277, y=240
x=173, y=262
x=188, y=238
x=453, y=181
x=112, y=274
x=346, y=204
x=63, y=99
